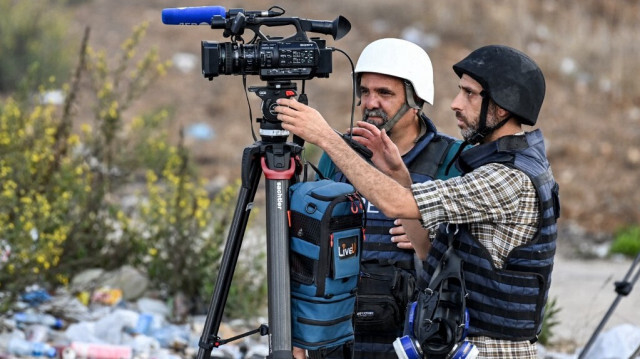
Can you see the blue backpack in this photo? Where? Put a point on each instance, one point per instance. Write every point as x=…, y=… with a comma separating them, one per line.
x=326, y=229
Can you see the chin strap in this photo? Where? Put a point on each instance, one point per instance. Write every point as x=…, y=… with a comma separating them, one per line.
x=410, y=102
x=392, y=122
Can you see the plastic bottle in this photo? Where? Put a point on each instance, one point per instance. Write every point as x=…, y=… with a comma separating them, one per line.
x=38, y=318
x=100, y=351
x=23, y=347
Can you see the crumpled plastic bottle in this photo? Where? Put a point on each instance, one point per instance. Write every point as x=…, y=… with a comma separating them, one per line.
x=99, y=351
x=38, y=318
x=172, y=336
x=23, y=347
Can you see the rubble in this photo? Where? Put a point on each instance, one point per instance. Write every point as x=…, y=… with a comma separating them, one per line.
x=98, y=322
x=103, y=316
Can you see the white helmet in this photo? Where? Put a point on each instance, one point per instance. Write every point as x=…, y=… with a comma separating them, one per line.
x=402, y=59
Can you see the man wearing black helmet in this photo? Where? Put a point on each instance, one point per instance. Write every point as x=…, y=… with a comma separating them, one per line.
x=501, y=213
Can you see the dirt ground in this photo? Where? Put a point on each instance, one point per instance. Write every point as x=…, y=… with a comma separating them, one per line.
x=585, y=291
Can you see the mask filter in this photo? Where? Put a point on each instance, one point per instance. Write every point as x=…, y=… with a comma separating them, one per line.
x=408, y=347
x=437, y=323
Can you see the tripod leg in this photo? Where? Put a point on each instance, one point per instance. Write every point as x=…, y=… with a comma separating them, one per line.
x=613, y=305
x=277, y=190
x=636, y=353
x=251, y=172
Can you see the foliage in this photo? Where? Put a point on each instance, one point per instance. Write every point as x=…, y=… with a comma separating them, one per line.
x=627, y=241
x=549, y=321
x=35, y=203
x=32, y=40
x=109, y=193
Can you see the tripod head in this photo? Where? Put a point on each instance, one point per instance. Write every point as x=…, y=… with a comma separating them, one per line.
x=270, y=126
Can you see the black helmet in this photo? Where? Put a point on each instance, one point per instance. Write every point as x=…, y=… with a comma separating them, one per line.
x=510, y=78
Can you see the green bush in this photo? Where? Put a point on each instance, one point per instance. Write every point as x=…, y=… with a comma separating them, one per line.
x=549, y=321
x=627, y=241
x=62, y=190
x=33, y=39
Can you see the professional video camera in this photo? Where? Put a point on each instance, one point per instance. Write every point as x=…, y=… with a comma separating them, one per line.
x=273, y=58
x=277, y=60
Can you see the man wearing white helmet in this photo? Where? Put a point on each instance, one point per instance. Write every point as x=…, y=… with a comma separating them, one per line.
x=394, y=79
x=493, y=230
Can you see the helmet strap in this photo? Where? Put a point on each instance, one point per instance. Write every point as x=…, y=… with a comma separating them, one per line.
x=392, y=122
x=410, y=96
x=482, y=130
x=410, y=102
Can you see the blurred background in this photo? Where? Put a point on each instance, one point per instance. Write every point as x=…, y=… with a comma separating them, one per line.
x=587, y=50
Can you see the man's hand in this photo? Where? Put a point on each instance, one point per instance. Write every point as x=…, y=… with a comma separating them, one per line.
x=411, y=230
x=400, y=238
x=395, y=200
x=303, y=121
x=386, y=156
x=299, y=353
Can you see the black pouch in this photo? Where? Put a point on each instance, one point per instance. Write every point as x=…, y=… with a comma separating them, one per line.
x=383, y=293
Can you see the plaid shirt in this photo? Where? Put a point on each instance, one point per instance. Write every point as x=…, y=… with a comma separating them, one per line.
x=500, y=205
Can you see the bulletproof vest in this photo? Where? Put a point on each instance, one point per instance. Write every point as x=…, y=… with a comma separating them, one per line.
x=423, y=162
x=507, y=303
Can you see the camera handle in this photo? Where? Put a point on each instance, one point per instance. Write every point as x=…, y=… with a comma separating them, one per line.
x=623, y=288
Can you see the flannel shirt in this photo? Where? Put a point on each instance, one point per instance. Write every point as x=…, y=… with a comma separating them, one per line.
x=500, y=205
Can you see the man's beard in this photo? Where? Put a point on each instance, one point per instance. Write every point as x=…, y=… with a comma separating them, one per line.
x=472, y=127
x=375, y=113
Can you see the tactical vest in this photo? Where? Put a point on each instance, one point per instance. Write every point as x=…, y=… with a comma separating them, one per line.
x=423, y=161
x=507, y=303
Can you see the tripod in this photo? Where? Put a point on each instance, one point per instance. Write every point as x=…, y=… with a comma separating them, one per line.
x=623, y=288
x=276, y=158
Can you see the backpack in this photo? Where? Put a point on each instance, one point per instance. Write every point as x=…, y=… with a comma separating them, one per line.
x=326, y=230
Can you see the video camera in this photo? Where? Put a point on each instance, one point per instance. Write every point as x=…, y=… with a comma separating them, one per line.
x=295, y=57
x=278, y=60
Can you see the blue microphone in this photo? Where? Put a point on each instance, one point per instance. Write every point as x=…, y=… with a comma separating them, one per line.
x=199, y=15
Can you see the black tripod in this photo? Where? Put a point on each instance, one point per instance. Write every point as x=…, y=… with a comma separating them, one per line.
x=623, y=288
x=277, y=159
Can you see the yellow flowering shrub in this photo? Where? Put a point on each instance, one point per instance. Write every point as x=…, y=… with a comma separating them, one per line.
x=38, y=194
x=109, y=191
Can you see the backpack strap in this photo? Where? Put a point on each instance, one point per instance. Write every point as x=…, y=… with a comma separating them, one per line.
x=319, y=174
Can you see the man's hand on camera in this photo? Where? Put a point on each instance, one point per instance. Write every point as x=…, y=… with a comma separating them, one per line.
x=304, y=121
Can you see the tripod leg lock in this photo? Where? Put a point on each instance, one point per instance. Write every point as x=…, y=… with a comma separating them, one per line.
x=264, y=330
x=623, y=287
x=215, y=341
x=212, y=342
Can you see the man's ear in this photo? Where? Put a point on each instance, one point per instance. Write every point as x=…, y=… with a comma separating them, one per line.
x=502, y=113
